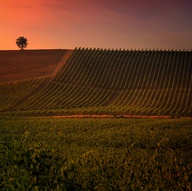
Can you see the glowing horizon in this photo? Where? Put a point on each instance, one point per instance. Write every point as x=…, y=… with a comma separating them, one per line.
x=58, y=24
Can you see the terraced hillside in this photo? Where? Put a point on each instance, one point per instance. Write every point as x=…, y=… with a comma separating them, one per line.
x=136, y=82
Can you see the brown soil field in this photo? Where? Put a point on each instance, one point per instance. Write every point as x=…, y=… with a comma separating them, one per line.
x=112, y=116
x=18, y=65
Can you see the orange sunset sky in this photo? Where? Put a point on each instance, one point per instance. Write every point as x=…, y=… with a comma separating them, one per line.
x=50, y=24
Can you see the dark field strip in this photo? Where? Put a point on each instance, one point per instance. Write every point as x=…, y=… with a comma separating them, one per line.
x=132, y=82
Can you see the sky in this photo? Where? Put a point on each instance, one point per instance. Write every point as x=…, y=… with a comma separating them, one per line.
x=125, y=24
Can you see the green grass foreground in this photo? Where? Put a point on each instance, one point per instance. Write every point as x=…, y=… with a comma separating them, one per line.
x=95, y=154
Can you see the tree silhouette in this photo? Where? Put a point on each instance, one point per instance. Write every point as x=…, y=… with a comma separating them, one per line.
x=22, y=42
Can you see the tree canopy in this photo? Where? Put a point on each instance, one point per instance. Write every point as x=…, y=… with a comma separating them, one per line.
x=22, y=42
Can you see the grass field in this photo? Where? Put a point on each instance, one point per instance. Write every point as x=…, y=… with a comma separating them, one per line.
x=47, y=153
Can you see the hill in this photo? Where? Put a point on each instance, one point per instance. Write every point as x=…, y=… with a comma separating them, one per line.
x=97, y=81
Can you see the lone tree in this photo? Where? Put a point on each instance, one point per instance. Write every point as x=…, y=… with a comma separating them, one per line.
x=22, y=42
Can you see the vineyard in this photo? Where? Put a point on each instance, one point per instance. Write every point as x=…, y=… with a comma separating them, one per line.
x=50, y=152
x=104, y=81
